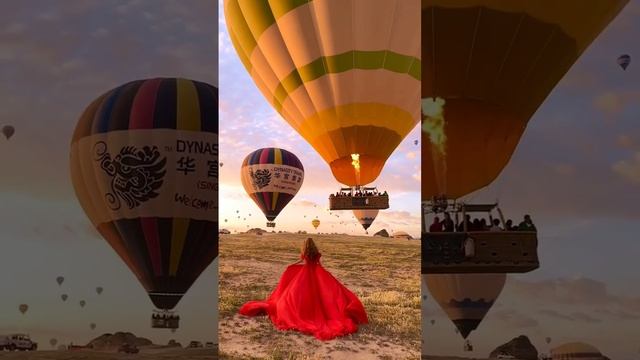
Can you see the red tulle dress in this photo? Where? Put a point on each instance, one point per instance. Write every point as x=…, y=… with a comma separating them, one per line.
x=309, y=299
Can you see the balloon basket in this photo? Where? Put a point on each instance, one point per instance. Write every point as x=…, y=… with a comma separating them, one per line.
x=271, y=224
x=165, y=320
x=359, y=198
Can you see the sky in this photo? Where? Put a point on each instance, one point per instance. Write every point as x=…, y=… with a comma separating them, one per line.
x=248, y=122
x=577, y=172
x=54, y=60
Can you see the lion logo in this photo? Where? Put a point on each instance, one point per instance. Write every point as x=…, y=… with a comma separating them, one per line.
x=260, y=178
x=137, y=174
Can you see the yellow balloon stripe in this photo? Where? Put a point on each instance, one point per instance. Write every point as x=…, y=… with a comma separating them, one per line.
x=178, y=239
x=188, y=107
x=350, y=60
x=277, y=154
x=261, y=14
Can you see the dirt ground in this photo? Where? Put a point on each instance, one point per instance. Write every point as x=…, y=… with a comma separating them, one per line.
x=145, y=354
x=384, y=273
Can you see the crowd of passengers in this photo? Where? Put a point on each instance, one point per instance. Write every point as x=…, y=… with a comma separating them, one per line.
x=447, y=225
x=358, y=193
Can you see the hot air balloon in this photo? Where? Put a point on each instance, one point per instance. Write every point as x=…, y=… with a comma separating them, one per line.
x=8, y=131
x=465, y=298
x=576, y=350
x=144, y=167
x=344, y=74
x=271, y=177
x=60, y=280
x=82, y=303
x=365, y=217
x=415, y=142
x=64, y=297
x=624, y=61
x=487, y=67
x=433, y=322
x=23, y=308
x=92, y=326
x=490, y=65
x=53, y=342
x=99, y=290
x=315, y=223
x=547, y=340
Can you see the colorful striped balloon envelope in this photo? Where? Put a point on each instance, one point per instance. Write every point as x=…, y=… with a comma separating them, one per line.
x=272, y=177
x=144, y=165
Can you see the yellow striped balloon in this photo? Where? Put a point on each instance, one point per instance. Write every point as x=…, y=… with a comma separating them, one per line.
x=345, y=74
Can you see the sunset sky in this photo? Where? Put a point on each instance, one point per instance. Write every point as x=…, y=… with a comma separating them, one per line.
x=54, y=60
x=248, y=122
x=577, y=172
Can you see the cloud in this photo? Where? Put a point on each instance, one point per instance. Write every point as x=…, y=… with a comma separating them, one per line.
x=629, y=169
x=575, y=316
x=613, y=103
x=515, y=319
x=625, y=141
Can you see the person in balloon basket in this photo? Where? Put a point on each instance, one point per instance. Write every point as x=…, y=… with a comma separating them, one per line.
x=447, y=223
x=527, y=224
x=436, y=226
x=311, y=300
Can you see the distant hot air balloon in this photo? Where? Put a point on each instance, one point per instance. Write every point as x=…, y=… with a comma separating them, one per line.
x=92, y=326
x=433, y=322
x=53, y=342
x=415, y=142
x=344, y=74
x=490, y=65
x=365, y=217
x=547, y=340
x=624, y=61
x=315, y=223
x=82, y=303
x=465, y=298
x=144, y=167
x=64, y=297
x=23, y=308
x=8, y=131
x=271, y=177
x=60, y=280
x=99, y=290
x=221, y=164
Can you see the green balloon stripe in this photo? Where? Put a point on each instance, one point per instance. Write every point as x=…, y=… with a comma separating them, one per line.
x=350, y=60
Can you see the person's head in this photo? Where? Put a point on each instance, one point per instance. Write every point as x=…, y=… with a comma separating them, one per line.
x=527, y=218
x=447, y=216
x=467, y=217
x=436, y=220
x=509, y=222
x=483, y=221
x=496, y=222
x=309, y=249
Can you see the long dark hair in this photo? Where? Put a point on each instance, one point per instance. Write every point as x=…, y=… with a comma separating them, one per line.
x=310, y=250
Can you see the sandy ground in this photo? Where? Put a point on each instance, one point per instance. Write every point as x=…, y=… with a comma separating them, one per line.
x=144, y=354
x=384, y=274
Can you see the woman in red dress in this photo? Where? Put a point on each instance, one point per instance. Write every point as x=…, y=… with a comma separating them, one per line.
x=309, y=299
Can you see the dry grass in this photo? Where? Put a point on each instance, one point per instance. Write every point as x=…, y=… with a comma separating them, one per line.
x=384, y=273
